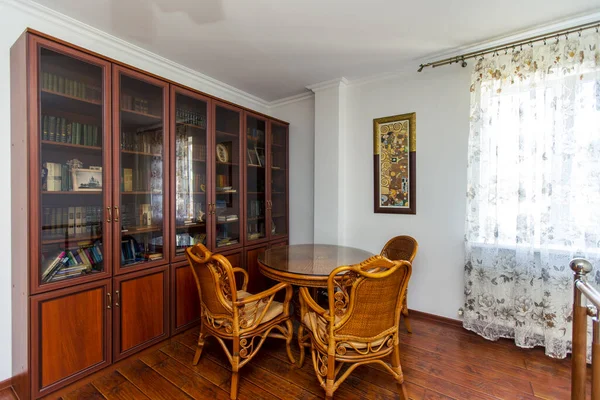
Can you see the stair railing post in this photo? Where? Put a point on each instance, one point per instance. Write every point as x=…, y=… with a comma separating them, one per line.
x=580, y=269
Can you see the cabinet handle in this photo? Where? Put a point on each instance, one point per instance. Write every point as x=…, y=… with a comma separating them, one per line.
x=116, y=214
x=109, y=213
x=211, y=208
x=118, y=298
x=109, y=300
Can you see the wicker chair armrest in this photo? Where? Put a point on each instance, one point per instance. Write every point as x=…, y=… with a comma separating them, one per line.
x=244, y=274
x=307, y=299
x=267, y=293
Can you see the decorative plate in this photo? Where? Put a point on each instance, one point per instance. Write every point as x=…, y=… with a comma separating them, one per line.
x=222, y=154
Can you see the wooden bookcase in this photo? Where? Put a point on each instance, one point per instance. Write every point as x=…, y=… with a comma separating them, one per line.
x=114, y=173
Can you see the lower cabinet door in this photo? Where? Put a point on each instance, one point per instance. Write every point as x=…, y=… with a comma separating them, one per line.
x=257, y=281
x=141, y=305
x=70, y=334
x=185, y=310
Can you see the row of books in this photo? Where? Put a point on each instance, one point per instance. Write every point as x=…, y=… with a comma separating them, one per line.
x=149, y=141
x=189, y=211
x=222, y=180
x=73, y=262
x=186, y=146
x=57, y=129
x=60, y=222
x=138, y=180
x=183, y=240
x=135, y=215
x=56, y=177
x=133, y=103
x=256, y=230
x=227, y=218
x=256, y=208
x=186, y=116
x=133, y=252
x=70, y=87
x=255, y=134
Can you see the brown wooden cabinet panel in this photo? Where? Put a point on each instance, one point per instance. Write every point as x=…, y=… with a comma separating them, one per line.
x=71, y=334
x=258, y=282
x=186, y=302
x=142, y=310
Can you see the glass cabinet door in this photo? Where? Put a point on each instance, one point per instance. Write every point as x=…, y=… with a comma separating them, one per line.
x=189, y=121
x=256, y=178
x=74, y=157
x=139, y=210
x=278, y=205
x=226, y=206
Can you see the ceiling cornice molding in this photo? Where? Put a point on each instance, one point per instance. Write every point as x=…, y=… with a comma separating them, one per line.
x=521, y=35
x=291, y=99
x=332, y=83
x=80, y=28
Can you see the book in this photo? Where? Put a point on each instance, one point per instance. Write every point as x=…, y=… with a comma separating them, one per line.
x=83, y=220
x=71, y=221
x=77, y=220
x=52, y=128
x=69, y=133
x=45, y=124
x=127, y=179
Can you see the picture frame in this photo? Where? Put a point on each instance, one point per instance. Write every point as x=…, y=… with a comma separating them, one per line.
x=394, y=148
x=89, y=179
x=253, y=158
x=260, y=152
x=222, y=153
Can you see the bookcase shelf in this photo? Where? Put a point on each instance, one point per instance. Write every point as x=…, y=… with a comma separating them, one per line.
x=227, y=163
x=72, y=239
x=191, y=126
x=131, y=230
x=78, y=147
x=234, y=135
x=197, y=225
x=140, y=193
x=139, y=118
x=74, y=192
x=140, y=153
x=64, y=102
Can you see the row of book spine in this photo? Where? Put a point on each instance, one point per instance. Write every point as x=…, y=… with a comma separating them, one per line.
x=56, y=177
x=73, y=262
x=150, y=141
x=137, y=215
x=186, y=116
x=136, y=179
x=256, y=208
x=70, y=87
x=57, y=129
x=184, y=143
x=65, y=222
x=137, y=104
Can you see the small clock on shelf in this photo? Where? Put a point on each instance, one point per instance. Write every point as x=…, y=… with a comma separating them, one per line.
x=222, y=153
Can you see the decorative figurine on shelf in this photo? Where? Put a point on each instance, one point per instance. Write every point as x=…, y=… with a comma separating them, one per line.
x=273, y=227
x=74, y=164
x=200, y=216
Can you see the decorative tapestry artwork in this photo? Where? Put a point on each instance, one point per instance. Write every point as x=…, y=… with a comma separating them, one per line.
x=395, y=160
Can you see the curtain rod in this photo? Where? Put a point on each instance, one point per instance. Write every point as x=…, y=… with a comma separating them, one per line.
x=505, y=47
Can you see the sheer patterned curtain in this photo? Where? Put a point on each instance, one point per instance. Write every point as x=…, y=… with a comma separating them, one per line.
x=533, y=198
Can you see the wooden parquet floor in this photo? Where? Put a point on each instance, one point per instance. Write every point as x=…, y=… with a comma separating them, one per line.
x=440, y=361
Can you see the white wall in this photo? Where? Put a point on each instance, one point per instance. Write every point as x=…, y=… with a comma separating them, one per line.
x=301, y=116
x=440, y=97
x=13, y=21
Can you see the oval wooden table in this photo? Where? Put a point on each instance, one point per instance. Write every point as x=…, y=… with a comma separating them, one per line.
x=307, y=265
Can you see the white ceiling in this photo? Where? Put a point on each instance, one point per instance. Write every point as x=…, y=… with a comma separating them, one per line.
x=275, y=48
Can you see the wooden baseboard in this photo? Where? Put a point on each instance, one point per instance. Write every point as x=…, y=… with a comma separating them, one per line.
x=6, y=383
x=433, y=317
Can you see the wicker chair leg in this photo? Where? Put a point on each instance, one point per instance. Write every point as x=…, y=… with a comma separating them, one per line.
x=234, y=385
x=301, y=345
x=199, y=348
x=330, y=377
x=406, y=319
x=399, y=376
x=288, y=340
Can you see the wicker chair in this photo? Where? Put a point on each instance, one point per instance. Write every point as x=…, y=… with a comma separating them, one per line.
x=235, y=315
x=361, y=325
x=401, y=248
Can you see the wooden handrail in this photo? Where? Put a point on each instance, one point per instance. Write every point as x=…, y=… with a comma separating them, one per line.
x=583, y=290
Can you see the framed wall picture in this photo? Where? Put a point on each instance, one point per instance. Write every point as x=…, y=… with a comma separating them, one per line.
x=394, y=145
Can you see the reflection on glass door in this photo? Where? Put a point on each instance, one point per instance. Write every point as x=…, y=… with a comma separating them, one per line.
x=190, y=171
x=72, y=164
x=226, y=208
x=279, y=182
x=256, y=176
x=141, y=163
